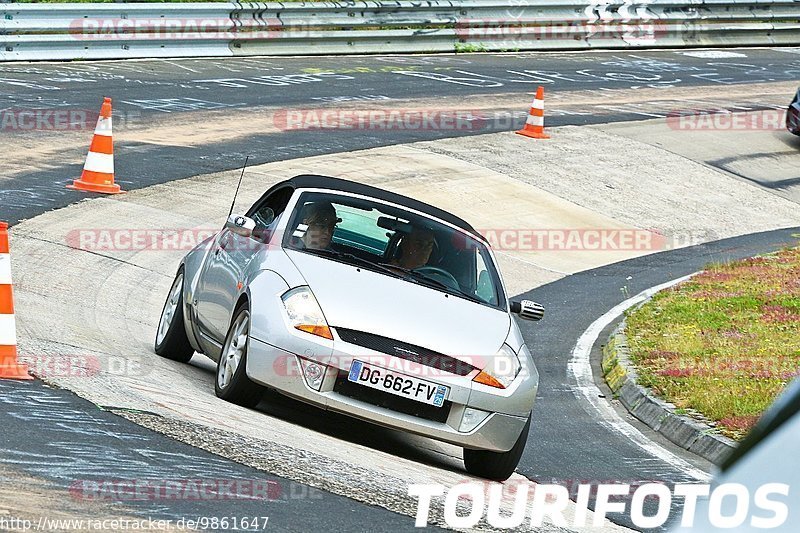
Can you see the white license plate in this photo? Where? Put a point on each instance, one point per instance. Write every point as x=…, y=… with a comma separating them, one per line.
x=397, y=384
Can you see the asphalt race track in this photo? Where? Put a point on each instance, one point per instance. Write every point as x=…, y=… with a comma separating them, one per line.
x=163, y=108
x=83, y=450
x=182, y=118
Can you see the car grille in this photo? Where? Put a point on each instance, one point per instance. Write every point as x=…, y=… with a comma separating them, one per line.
x=390, y=401
x=404, y=350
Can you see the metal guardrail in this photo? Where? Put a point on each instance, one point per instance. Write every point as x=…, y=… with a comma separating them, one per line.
x=131, y=30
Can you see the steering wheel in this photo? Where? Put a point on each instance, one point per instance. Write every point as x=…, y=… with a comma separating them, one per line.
x=439, y=274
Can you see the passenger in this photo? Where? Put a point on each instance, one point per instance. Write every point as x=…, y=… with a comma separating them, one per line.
x=320, y=217
x=415, y=248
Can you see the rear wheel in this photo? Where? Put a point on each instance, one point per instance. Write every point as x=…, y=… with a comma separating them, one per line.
x=497, y=466
x=171, y=341
x=232, y=383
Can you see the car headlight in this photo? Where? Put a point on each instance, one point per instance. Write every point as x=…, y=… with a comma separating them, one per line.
x=304, y=312
x=501, y=370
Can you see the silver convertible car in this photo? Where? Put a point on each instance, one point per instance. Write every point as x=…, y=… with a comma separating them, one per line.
x=364, y=302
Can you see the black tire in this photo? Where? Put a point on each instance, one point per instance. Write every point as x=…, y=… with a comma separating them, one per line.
x=497, y=466
x=174, y=344
x=238, y=389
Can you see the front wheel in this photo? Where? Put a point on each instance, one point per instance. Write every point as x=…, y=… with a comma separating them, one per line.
x=232, y=383
x=497, y=466
x=171, y=341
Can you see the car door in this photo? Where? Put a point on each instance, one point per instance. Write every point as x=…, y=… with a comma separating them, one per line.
x=219, y=282
x=223, y=275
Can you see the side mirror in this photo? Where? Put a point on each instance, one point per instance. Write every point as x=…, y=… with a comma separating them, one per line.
x=528, y=310
x=241, y=225
x=266, y=216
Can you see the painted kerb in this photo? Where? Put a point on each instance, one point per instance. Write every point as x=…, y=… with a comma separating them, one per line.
x=695, y=436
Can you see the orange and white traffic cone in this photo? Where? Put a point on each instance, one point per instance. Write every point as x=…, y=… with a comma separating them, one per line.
x=98, y=171
x=10, y=368
x=534, y=126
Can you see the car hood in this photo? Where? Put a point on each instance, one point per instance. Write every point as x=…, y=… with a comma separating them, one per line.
x=359, y=299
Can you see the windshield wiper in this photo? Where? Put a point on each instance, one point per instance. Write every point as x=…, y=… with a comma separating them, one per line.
x=421, y=277
x=346, y=257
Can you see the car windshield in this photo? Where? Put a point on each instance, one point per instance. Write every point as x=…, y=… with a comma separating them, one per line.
x=395, y=242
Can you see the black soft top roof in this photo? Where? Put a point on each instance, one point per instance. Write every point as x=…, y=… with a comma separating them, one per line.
x=309, y=181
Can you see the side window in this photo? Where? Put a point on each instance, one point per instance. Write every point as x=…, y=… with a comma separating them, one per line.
x=267, y=214
x=485, y=289
x=359, y=229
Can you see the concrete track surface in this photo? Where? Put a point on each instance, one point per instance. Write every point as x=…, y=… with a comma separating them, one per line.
x=104, y=303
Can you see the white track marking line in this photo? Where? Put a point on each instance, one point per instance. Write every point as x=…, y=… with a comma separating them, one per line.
x=175, y=64
x=580, y=368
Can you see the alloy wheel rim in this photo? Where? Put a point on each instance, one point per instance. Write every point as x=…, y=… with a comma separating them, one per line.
x=233, y=351
x=170, y=308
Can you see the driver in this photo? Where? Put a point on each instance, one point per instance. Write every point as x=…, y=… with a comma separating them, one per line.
x=415, y=248
x=320, y=217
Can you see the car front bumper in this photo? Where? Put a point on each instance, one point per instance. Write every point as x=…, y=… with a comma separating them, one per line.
x=507, y=410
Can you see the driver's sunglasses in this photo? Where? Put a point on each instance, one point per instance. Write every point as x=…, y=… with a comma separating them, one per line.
x=331, y=225
x=422, y=243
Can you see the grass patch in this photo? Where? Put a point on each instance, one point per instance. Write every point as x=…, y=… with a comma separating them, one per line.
x=724, y=343
x=468, y=48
